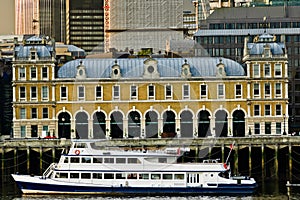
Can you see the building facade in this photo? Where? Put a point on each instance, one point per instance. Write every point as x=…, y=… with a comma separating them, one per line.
x=150, y=97
x=223, y=33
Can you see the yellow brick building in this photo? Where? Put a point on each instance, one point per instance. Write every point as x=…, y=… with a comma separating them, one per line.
x=152, y=97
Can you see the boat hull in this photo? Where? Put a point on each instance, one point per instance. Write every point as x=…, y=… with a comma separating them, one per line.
x=44, y=188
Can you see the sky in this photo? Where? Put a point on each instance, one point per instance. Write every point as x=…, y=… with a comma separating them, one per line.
x=7, y=19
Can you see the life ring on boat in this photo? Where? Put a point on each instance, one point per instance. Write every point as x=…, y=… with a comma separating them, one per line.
x=77, y=152
x=225, y=165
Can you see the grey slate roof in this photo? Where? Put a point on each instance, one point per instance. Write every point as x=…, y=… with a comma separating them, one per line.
x=257, y=48
x=167, y=67
x=42, y=51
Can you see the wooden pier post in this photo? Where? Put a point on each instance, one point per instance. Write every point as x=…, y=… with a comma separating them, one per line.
x=28, y=160
x=41, y=160
x=250, y=160
x=16, y=160
x=3, y=162
x=290, y=162
x=276, y=162
x=263, y=169
x=53, y=154
x=223, y=153
x=236, y=159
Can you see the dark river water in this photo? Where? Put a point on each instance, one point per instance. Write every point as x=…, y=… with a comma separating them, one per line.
x=269, y=190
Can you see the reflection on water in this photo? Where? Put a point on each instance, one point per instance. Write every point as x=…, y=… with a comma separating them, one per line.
x=270, y=190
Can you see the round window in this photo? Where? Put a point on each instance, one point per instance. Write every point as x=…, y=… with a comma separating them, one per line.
x=116, y=72
x=150, y=69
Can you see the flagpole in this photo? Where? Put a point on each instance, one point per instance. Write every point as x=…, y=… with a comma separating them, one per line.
x=231, y=147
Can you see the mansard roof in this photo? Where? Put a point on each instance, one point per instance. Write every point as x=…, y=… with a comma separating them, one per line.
x=167, y=67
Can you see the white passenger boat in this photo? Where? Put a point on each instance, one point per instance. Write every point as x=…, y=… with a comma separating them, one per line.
x=89, y=168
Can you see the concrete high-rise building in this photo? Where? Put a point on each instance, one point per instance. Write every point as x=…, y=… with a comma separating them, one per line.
x=136, y=24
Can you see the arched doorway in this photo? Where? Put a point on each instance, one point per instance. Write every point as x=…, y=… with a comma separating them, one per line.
x=64, y=125
x=116, y=125
x=82, y=126
x=134, y=124
x=221, y=126
x=151, y=124
x=186, y=124
x=238, y=123
x=204, y=124
x=169, y=124
x=99, y=125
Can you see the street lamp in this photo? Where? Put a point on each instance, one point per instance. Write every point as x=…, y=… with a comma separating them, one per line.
x=284, y=133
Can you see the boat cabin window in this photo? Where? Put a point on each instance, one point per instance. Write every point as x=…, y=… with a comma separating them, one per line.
x=109, y=176
x=97, y=160
x=61, y=175
x=108, y=160
x=132, y=176
x=133, y=161
x=155, y=176
x=86, y=160
x=179, y=176
x=75, y=159
x=80, y=145
x=86, y=176
x=120, y=175
x=74, y=175
x=144, y=176
x=168, y=176
x=120, y=160
x=66, y=160
x=162, y=160
x=97, y=175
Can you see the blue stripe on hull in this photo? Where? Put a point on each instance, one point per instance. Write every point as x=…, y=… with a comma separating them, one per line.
x=221, y=189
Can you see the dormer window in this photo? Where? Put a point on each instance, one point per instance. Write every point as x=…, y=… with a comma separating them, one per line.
x=185, y=70
x=150, y=68
x=116, y=71
x=81, y=73
x=33, y=55
x=220, y=69
x=267, y=51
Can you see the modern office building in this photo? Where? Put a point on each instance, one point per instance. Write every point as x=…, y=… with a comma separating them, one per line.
x=223, y=33
x=150, y=97
x=85, y=24
x=136, y=24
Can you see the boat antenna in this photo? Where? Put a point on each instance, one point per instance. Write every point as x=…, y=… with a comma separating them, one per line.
x=231, y=147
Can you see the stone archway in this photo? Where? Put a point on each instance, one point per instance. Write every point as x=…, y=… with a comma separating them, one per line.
x=99, y=125
x=151, y=124
x=64, y=125
x=82, y=125
x=116, y=125
x=204, y=124
x=169, y=124
x=186, y=124
x=238, y=126
x=221, y=124
x=134, y=124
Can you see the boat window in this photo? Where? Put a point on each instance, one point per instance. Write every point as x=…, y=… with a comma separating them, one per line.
x=132, y=176
x=97, y=160
x=144, y=176
x=108, y=160
x=74, y=175
x=80, y=145
x=109, y=176
x=162, y=160
x=66, y=160
x=179, y=176
x=168, y=176
x=120, y=176
x=120, y=160
x=155, y=176
x=133, y=160
x=74, y=159
x=85, y=176
x=97, y=175
x=61, y=175
x=86, y=160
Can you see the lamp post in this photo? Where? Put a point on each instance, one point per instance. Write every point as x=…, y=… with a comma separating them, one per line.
x=284, y=133
x=63, y=127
